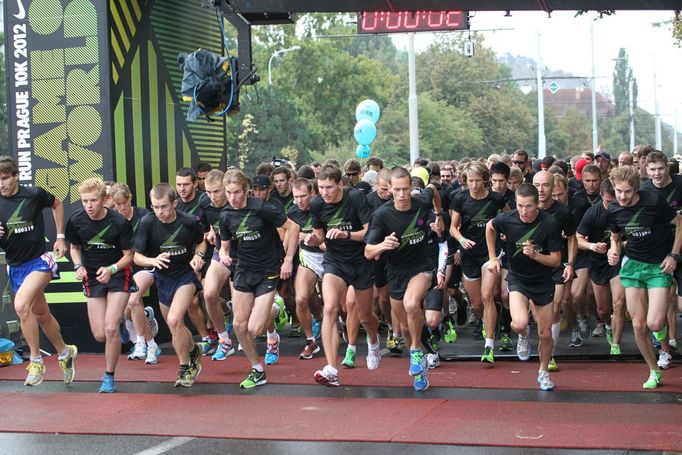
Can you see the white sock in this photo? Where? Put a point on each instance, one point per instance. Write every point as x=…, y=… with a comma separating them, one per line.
x=373, y=346
x=331, y=370
x=272, y=335
x=225, y=336
x=258, y=367
x=351, y=347
x=556, y=328
x=490, y=343
x=151, y=343
x=38, y=359
x=140, y=339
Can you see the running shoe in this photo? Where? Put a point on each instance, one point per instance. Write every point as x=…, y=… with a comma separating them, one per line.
x=553, y=366
x=461, y=313
x=125, y=336
x=450, y=332
x=229, y=318
x=576, y=341
x=655, y=378
x=421, y=382
x=224, y=350
x=673, y=345
x=295, y=331
x=662, y=334
x=282, y=317
x=68, y=364
x=108, y=384
x=545, y=381
x=432, y=360
x=418, y=363
x=208, y=347
x=615, y=349
x=478, y=330
x=390, y=343
x=195, y=362
x=523, y=348
x=139, y=351
x=395, y=344
x=317, y=328
x=599, y=330
x=609, y=335
x=433, y=342
x=272, y=351
x=583, y=328
x=349, y=359
x=474, y=320
x=184, y=378
x=327, y=376
x=664, y=360
x=341, y=326
x=373, y=358
x=36, y=371
x=488, y=355
x=151, y=320
x=311, y=348
x=506, y=343
x=153, y=355
x=254, y=379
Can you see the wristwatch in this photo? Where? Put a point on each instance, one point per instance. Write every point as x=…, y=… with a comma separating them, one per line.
x=200, y=254
x=677, y=257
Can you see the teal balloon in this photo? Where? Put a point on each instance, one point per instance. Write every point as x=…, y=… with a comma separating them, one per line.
x=362, y=151
x=368, y=109
x=365, y=132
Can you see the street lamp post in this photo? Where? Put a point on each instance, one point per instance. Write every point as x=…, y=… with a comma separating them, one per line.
x=276, y=54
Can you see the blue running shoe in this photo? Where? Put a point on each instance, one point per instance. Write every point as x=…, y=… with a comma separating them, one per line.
x=223, y=352
x=108, y=385
x=421, y=383
x=417, y=362
x=125, y=336
x=317, y=328
x=272, y=353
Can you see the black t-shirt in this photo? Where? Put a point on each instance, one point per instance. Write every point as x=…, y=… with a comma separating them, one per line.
x=286, y=201
x=210, y=216
x=374, y=201
x=411, y=227
x=305, y=220
x=671, y=193
x=178, y=238
x=544, y=232
x=22, y=219
x=194, y=207
x=528, y=178
x=566, y=222
x=645, y=226
x=255, y=227
x=590, y=199
x=101, y=241
x=474, y=215
x=364, y=187
x=138, y=213
x=510, y=198
x=351, y=213
x=575, y=185
x=578, y=207
x=595, y=227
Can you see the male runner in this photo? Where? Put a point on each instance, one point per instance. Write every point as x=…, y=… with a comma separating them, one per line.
x=101, y=251
x=22, y=237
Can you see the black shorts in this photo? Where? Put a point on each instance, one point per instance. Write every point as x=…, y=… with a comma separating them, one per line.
x=121, y=281
x=167, y=286
x=582, y=261
x=471, y=266
x=399, y=279
x=455, y=277
x=360, y=275
x=601, y=273
x=434, y=300
x=558, y=275
x=256, y=283
x=540, y=293
x=380, y=274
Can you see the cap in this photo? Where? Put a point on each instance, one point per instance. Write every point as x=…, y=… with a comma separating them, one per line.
x=602, y=155
x=579, y=165
x=261, y=181
x=422, y=173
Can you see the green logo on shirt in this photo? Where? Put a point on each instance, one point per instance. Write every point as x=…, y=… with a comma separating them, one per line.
x=171, y=247
x=97, y=242
x=413, y=234
x=337, y=221
x=243, y=231
x=480, y=219
x=634, y=229
x=526, y=238
x=16, y=224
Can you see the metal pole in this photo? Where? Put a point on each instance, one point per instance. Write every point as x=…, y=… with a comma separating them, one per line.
x=632, y=114
x=675, y=135
x=542, y=146
x=412, y=101
x=595, y=137
x=276, y=54
x=659, y=143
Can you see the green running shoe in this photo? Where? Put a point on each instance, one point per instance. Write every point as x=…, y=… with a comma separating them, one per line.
x=609, y=335
x=254, y=379
x=36, y=371
x=349, y=360
x=195, y=362
x=68, y=365
x=552, y=366
x=184, y=378
x=282, y=317
x=506, y=343
x=450, y=332
x=653, y=381
x=488, y=356
x=615, y=349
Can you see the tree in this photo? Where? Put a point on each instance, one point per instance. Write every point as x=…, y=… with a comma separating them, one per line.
x=246, y=141
x=622, y=75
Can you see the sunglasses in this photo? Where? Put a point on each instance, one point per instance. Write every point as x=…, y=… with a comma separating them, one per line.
x=351, y=174
x=519, y=162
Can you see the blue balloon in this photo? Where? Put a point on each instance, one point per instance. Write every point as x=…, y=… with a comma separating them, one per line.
x=368, y=109
x=365, y=132
x=362, y=151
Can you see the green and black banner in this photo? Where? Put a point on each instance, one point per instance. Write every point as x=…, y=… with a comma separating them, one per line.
x=58, y=80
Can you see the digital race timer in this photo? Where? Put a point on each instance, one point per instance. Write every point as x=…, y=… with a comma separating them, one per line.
x=411, y=21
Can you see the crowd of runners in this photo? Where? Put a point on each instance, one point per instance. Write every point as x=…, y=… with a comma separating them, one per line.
x=506, y=243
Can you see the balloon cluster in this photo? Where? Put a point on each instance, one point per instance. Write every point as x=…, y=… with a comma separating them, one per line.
x=367, y=115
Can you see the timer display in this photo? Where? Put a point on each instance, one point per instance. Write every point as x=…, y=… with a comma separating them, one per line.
x=411, y=21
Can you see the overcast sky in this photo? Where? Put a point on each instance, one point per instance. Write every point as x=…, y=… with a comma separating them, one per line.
x=565, y=44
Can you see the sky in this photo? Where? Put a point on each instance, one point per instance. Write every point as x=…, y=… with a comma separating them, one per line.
x=565, y=45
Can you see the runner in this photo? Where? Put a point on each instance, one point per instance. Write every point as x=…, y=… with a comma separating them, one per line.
x=533, y=241
x=172, y=242
x=340, y=220
x=643, y=218
x=260, y=265
x=101, y=251
x=400, y=230
x=30, y=269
